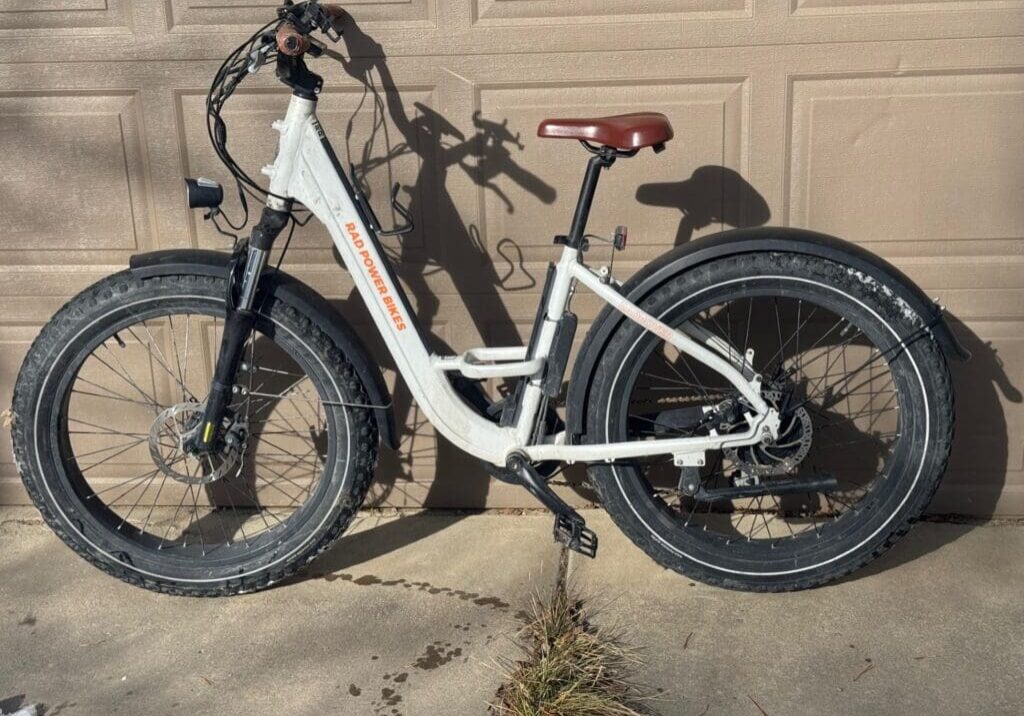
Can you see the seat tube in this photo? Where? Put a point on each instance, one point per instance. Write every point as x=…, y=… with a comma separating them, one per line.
x=559, y=297
x=579, y=218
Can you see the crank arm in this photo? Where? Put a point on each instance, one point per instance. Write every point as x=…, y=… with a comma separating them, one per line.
x=570, y=529
x=772, y=487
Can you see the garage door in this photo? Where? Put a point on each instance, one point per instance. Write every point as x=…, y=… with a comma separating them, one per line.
x=896, y=124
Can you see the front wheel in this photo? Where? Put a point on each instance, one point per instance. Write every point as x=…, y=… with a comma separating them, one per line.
x=108, y=397
x=866, y=413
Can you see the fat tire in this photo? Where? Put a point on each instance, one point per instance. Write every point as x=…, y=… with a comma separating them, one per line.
x=118, y=288
x=926, y=354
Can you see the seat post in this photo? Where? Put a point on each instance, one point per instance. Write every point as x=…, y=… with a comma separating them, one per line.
x=602, y=159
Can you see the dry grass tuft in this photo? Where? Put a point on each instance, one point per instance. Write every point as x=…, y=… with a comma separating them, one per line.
x=572, y=667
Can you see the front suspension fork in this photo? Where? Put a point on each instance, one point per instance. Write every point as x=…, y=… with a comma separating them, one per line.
x=238, y=324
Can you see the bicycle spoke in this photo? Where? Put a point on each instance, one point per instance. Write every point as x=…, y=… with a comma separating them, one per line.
x=177, y=357
x=216, y=501
x=107, y=459
x=159, y=361
x=848, y=401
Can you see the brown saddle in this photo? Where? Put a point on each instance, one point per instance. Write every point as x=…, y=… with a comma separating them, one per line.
x=623, y=131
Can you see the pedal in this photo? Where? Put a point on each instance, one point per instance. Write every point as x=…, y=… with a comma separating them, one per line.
x=573, y=532
x=570, y=529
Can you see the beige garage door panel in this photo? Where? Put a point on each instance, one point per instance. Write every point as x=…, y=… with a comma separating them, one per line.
x=860, y=142
x=897, y=125
x=710, y=121
x=182, y=28
x=47, y=205
x=49, y=15
x=246, y=15
x=488, y=11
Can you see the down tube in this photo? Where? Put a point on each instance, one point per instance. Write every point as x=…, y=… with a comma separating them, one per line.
x=321, y=184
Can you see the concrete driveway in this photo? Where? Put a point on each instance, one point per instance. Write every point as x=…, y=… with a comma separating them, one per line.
x=935, y=626
x=408, y=616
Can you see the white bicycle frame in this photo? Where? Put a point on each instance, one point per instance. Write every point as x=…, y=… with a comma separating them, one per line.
x=307, y=170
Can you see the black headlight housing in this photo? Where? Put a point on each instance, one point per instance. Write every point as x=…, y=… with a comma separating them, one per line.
x=203, y=193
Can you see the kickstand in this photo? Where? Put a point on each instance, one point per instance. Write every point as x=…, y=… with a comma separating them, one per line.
x=570, y=529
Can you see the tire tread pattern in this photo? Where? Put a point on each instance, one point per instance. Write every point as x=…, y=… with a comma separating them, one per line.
x=82, y=306
x=933, y=364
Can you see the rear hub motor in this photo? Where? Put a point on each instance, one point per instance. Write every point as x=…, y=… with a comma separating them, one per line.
x=782, y=455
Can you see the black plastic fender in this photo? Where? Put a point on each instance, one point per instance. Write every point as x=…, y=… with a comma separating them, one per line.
x=731, y=243
x=215, y=263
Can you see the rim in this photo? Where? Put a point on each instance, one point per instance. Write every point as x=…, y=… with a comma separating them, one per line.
x=857, y=432
x=149, y=361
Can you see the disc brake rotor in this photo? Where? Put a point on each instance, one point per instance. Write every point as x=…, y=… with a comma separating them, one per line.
x=782, y=455
x=169, y=434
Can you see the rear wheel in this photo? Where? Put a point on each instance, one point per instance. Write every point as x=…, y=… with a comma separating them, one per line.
x=865, y=416
x=108, y=396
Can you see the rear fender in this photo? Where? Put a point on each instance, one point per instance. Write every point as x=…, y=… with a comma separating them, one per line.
x=731, y=243
x=295, y=292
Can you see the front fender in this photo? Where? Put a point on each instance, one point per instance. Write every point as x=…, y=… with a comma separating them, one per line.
x=295, y=292
x=731, y=243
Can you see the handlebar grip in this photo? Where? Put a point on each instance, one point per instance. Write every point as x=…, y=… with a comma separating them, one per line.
x=290, y=41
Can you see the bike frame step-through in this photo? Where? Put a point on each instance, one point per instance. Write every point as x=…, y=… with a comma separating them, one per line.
x=308, y=171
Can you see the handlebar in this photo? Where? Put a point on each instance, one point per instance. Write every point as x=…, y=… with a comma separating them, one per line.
x=291, y=41
x=299, y=20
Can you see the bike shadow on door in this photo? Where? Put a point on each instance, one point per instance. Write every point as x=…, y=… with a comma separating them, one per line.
x=713, y=196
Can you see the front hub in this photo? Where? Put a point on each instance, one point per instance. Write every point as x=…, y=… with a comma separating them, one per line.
x=171, y=436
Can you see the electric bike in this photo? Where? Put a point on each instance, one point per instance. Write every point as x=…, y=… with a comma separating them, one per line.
x=764, y=409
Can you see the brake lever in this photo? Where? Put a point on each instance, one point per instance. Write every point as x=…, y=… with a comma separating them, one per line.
x=332, y=21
